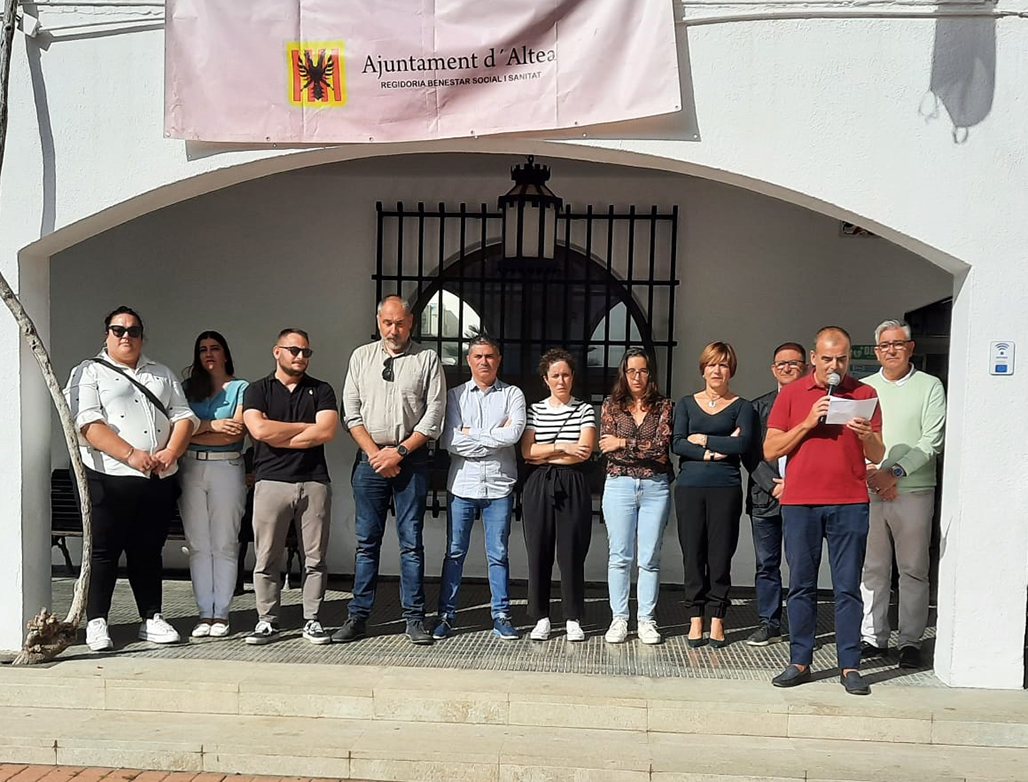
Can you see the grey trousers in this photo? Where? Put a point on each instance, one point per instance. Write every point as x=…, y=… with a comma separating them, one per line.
x=275, y=506
x=905, y=524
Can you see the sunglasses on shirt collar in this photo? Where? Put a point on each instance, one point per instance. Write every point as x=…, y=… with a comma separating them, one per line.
x=387, y=369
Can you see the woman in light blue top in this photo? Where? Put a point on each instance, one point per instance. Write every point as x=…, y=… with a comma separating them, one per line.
x=213, y=481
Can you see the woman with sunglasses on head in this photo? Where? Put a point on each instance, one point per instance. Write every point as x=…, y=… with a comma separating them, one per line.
x=134, y=423
x=635, y=434
x=213, y=481
x=560, y=435
x=713, y=429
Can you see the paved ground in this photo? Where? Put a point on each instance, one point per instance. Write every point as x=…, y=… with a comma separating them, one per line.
x=474, y=647
x=13, y=772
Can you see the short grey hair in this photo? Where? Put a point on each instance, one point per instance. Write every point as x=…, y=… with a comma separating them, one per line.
x=885, y=325
x=484, y=339
x=403, y=302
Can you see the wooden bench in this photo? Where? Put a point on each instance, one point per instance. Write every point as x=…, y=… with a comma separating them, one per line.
x=66, y=522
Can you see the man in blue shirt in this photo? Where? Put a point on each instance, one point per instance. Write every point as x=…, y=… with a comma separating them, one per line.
x=485, y=418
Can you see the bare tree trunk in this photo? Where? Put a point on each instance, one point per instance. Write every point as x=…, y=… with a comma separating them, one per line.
x=47, y=635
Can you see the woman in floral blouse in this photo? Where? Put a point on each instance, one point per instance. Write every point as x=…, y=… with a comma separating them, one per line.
x=635, y=433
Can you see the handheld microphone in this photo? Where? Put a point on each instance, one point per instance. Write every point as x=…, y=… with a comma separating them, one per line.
x=834, y=379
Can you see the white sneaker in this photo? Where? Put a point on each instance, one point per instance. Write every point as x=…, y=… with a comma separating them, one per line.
x=618, y=631
x=648, y=632
x=219, y=628
x=575, y=631
x=263, y=633
x=97, y=637
x=158, y=631
x=202, y=630
x=541, y=631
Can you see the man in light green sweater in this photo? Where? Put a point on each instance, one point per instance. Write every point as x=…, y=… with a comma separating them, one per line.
x=902, y=491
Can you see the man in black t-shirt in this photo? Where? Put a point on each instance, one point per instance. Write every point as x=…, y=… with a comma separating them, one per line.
x=290, y=416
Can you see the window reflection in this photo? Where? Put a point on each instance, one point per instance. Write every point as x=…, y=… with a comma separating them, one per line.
x=622, y=327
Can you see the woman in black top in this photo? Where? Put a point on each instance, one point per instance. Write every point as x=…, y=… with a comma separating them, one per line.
x=713, y=429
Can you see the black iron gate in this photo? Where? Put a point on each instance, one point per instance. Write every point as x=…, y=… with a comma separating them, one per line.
x=609, y=284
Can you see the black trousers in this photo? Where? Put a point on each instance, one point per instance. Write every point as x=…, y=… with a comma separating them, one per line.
x=558, y=512
x=708, y=530
x=130, y=515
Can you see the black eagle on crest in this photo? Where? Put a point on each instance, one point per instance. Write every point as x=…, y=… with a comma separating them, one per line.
x=316, y=75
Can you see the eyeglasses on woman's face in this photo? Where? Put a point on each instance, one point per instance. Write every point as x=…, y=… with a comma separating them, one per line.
x=644, y=372
x=120, y=331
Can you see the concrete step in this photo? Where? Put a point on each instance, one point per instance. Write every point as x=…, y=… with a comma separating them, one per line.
x=438, y=752
x=820, y=710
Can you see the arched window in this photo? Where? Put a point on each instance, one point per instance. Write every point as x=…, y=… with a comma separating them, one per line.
x=573, y=303
x=616, y=325
x=445, y=320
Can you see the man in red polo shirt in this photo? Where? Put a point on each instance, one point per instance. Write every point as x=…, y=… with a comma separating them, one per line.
x=825, y=497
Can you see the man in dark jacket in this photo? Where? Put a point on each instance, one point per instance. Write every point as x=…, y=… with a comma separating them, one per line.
x=765, y=487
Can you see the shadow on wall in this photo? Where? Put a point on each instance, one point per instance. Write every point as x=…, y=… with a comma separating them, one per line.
x=963, y=73
x=46, y=136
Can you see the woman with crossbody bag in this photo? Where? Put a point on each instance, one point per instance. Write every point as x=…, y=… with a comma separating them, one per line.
x=134, y=424
x=213, y=481
x=559, y=438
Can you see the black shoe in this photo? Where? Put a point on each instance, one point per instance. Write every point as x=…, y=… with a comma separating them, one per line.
x=696, y=643
x=910, y=657
x=792, y=676
x=764, y=636
x=351, y=630
x=718, y=643
x=854, y=683
x=417, y=633
x=868, y=651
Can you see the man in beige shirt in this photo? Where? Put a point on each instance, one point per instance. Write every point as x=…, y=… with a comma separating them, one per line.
x=394, y=402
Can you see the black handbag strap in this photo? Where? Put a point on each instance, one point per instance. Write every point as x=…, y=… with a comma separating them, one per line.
x=146, y=391
x=565, y=423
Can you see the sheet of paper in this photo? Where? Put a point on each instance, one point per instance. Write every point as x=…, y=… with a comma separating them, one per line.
x=842, y=410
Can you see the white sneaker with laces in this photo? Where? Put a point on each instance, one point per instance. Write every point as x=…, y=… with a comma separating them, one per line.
x=97, y=637
x=202, y=630
x=315, y=633
x=575, y=631
x=263, y=633
x=158, y=631
x=618, y=632
x=648, y=632
x=219, y=628
x=541, y=631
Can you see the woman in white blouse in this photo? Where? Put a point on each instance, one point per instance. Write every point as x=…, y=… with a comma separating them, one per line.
x=134, y=424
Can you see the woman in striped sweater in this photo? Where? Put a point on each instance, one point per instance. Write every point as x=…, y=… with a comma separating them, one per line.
x=559, y=437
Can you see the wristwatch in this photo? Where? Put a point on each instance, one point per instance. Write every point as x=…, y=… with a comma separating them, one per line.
x=402, y=450
x=898, y=471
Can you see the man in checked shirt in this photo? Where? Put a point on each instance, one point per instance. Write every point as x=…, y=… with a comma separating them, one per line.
x=485, y=418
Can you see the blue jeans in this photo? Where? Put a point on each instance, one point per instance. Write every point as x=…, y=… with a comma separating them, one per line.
x=845, y=528
x=635, y=511
x=767, y=546
x=371, y=495
x=460, y=516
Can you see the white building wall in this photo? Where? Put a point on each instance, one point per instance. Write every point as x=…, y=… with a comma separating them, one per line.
x=298, y=249
x=831, y=113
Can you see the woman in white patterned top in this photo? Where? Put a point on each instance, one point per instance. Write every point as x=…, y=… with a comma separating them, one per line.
x=560, y=435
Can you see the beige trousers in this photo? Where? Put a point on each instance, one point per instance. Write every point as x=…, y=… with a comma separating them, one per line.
x=276, y=505
x=903, y=524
